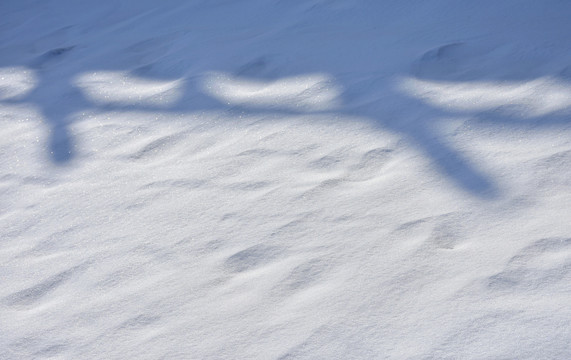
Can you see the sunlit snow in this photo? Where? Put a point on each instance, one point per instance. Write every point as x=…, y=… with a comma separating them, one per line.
x=285, y=179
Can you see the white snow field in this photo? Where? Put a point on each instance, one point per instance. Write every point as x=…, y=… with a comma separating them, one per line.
x=272, y=179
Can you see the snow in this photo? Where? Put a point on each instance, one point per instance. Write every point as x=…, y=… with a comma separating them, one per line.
x=285, y=179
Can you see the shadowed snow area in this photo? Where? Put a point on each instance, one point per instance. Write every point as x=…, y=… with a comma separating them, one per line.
x=268, y=179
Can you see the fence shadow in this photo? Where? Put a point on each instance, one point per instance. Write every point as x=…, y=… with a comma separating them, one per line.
x=173, y=63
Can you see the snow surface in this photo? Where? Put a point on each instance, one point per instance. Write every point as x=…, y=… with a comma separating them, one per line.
x=285, y=179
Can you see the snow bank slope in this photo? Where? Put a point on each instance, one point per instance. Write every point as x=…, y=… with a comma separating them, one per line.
x=285, y=179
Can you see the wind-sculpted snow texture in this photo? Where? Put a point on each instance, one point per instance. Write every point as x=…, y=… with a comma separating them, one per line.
x=285, y=179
